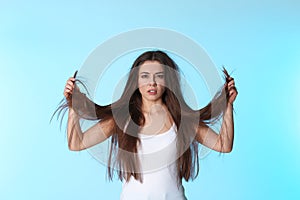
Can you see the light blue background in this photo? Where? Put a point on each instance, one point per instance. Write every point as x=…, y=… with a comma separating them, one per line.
x=43, y=43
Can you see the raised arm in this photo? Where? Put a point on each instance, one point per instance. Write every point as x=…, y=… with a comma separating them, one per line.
x=78, y=140
x=222, y=142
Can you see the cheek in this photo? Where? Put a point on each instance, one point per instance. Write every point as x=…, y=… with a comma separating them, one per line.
x=162, y=89
x=142, y=84
x=142, y=87
x=161, y=83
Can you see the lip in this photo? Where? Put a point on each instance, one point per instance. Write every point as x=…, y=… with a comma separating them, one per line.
x=152, y=91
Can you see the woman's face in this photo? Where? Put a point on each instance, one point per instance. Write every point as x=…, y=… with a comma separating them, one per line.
x=151, y=81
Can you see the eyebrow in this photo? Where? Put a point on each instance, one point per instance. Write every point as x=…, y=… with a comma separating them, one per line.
x=149, y=73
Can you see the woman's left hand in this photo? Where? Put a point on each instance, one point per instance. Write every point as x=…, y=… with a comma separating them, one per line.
x=232, y=91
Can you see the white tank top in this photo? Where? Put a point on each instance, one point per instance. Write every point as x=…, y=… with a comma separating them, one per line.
x=157, y=154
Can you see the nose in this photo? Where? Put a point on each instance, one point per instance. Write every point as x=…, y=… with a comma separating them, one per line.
x=152, y=81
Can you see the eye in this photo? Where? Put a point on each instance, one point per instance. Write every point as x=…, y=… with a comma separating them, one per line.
x=161, y=76
x=144, y=76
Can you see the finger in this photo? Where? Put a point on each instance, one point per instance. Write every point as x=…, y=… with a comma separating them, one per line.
x=231, y=82
x=229, y=79
x=68, y=90
x=70, y=83
x=232, y=93
x=71, y=79
x=67, y=94
x=231, y=87
x=69, y=87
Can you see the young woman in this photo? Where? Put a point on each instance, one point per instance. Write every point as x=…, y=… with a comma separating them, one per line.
x=154, y=133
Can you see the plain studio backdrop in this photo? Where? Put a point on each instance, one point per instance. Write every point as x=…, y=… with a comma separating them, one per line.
x=43, y=43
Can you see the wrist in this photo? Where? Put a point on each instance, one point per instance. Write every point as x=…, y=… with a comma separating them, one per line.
x=229, y=105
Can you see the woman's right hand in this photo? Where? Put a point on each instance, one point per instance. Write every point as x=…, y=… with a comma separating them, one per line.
x=70, y=85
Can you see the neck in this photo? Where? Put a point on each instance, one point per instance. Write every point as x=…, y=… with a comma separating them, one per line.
x=152, y=106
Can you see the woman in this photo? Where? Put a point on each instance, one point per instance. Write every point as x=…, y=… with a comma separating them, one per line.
x=154, y=133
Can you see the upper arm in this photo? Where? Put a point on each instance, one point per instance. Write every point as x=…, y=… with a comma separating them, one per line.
x=209, y=138
x=97, y=133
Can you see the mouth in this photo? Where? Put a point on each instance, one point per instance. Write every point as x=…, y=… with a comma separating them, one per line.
x=152, y=91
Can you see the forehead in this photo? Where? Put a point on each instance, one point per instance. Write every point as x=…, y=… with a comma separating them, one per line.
x=151, y=67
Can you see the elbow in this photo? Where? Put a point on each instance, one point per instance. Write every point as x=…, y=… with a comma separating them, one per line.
x=74, y=148
x=227, y=146
x=227, y=150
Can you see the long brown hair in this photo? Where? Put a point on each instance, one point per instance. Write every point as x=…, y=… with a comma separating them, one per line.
x=128, y=117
